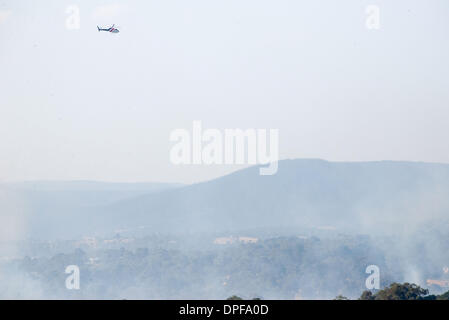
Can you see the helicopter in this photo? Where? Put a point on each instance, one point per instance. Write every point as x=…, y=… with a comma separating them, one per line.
x=111, y=29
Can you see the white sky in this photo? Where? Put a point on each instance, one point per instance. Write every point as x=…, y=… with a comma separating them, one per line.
x=79, y=104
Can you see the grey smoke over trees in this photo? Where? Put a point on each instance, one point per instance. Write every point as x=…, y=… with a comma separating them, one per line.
x=308, y=232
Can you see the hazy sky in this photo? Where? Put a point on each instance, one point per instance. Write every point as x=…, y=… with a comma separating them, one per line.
x=79, y=104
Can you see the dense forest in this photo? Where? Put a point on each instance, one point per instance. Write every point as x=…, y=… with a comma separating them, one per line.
x=396, y=291
x=163, y=267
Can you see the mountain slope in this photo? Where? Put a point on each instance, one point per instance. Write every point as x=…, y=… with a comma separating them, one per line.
x=48, y=209
x=359, y=197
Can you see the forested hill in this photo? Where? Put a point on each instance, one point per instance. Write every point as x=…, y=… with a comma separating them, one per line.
x=314, y=193
x=363, y=197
